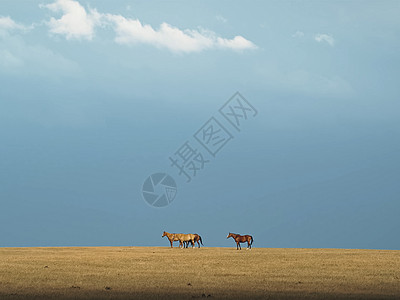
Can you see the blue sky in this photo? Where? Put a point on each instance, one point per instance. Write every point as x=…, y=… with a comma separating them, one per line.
x=95, y=96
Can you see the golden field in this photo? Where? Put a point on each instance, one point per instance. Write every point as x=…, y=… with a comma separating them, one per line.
x=215, y=273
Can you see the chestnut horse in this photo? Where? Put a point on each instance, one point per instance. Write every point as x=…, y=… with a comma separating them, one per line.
x=171, y=237
x=241, y=239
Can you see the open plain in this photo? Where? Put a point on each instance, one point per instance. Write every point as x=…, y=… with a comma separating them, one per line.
x=165, y=273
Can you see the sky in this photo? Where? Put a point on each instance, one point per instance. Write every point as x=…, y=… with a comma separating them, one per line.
x=97, y=96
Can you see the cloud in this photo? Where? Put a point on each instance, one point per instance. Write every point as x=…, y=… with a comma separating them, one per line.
x=75, y=22
x=237, y=43
x=19, y=57
x=130, y=31
x=7, y=24
x=78, y=23
x=298, y=34
x=221, y=19
x=322, y=37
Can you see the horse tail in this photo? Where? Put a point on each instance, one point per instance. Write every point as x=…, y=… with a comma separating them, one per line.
x=201, y=241
x=251, y=242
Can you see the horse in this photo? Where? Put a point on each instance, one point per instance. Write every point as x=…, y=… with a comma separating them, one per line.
x=185, y=238
x=197, y=239
x=171, y=237
x=241, y=239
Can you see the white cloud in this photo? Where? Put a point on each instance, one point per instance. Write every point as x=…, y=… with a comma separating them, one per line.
x=298, y=34
x=78, y=23
x=237, y=43
x=7, y=24
x=75, y=22
x=19, y=57
x=131, y=31
x=221, y=19
x=322, y=37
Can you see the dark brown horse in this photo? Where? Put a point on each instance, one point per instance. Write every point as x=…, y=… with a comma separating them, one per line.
x=241, y=239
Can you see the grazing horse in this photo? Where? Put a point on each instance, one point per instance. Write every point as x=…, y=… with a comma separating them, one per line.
x=241, y=239
x=171, y=237
x=197, y=239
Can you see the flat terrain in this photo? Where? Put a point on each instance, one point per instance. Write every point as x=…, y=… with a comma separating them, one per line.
x=161, y=272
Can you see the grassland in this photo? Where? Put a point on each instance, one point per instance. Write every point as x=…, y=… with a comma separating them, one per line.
x=164, y=273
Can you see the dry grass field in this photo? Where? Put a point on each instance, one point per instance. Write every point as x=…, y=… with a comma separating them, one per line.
x=161, y=272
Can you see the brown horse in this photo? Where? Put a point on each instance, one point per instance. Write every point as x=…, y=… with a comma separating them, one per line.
x=197, y=239
x=171, y=237
x=241, y=239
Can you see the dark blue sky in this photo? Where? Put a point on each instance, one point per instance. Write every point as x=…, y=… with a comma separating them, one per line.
x=95, y=97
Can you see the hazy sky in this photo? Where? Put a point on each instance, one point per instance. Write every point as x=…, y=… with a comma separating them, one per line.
x=95, y=96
